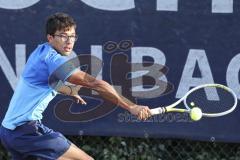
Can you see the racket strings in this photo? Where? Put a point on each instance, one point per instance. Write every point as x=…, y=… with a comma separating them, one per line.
x=211, y=99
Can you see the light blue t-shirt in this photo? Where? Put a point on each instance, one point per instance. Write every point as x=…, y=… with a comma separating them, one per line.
x=33, y=92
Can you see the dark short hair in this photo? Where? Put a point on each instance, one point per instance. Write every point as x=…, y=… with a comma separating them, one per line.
x=59, y=21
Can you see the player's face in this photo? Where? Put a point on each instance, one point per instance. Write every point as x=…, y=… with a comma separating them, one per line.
x=63, y=41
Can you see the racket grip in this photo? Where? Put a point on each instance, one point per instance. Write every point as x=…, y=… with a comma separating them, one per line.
x=159, y=110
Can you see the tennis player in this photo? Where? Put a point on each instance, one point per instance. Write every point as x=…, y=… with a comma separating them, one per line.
x=22, y=132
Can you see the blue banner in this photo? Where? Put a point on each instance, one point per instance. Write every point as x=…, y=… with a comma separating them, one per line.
x=136, y=45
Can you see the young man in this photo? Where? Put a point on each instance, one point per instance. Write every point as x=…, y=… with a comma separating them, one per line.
x=22, y=132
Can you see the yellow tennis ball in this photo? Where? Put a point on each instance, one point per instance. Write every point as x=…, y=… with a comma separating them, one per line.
x=196, y=113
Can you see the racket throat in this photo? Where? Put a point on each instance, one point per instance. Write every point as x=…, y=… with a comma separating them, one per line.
x=163, y=110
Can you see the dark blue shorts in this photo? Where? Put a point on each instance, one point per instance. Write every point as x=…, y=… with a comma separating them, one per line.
x=34, y=140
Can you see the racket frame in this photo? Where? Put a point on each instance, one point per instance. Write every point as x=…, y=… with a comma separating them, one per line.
x=170, y=108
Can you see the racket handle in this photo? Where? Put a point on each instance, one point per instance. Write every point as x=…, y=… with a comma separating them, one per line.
x=159, y=110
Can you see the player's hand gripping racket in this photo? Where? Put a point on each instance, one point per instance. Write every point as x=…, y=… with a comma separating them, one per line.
x=213, y=100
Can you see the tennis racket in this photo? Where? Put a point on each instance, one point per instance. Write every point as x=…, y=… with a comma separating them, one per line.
x=213, y=99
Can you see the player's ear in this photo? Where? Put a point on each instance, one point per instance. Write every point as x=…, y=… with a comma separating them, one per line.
x=49, y=37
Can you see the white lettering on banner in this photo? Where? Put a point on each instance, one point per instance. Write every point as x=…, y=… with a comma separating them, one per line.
x=96, y=69
x=218, y=6
x=111, y=5
x=20, y=56
x=138, y=70
x=222, y=6
x=17, y=4
x=233, y=74
x=169, y=5
x=96, y=50
x=196, y=56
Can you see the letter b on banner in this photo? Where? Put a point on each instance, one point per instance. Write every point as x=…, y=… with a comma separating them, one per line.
x=148, y=77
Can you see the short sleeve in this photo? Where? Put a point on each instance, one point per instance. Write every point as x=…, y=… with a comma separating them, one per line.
x=59, y=66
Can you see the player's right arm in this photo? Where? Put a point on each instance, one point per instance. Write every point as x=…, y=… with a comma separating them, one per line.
x=71, y=90
x=106, y=91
